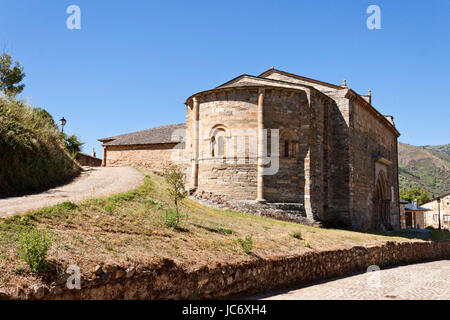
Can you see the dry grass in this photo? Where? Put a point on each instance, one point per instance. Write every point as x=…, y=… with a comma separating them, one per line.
x=129, y=229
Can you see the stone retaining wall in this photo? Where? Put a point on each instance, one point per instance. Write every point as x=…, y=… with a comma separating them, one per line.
x=87, y=160
x=153, y=156
x=166, y=280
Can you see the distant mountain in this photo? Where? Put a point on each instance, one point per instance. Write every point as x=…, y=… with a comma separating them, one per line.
x=427, y=167
x=441, y=149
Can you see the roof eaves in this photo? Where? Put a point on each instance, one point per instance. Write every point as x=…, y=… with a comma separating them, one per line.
x=272, y=70
x=373, y=109
x=233, y=80
x=224, y=86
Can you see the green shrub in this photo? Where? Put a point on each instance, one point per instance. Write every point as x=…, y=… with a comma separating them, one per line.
x=307, y=244
x=109, y=207
x=225, y=231
x=33, y=248
x=156, y=203
x=297, y=235
x=67, y=206
x=247, y=244
x=439, y=235
x=175, y=179
x=61, y=210
x=171, y=218
x=422, y=195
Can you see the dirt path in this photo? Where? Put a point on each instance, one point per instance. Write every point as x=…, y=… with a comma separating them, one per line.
x=423, y=281
x=93, y=182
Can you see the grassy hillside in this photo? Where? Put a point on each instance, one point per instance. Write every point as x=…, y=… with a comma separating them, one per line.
x=443, y=149
x=32, y=156
x=427, y=167
x=129, y=229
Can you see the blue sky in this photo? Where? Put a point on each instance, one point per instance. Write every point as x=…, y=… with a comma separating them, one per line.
x=133, y=63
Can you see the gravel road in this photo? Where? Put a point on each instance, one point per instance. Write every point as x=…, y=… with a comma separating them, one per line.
x=92, y=182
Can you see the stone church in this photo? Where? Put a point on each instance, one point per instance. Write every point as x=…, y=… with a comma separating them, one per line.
x=280, y=138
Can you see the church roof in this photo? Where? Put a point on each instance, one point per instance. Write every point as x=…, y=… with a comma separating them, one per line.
x=249, y=81
x=158, y=135
x=263, y=80
x=273, y=70
x=362, y=98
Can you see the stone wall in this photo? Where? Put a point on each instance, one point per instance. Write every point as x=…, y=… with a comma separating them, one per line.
x=370, y=136
x=230, y=116
x=87, y=160
x=337, y=153
x=402, y=216
x=154, y=156
x=418, y=219
x=167, y=280
x=288, y=111
x=299, y=115
x=355, y=132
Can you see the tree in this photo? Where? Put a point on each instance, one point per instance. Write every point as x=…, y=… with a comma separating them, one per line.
x=422, y=196
x=72, y=144
x=176, y=181
x=10, y=77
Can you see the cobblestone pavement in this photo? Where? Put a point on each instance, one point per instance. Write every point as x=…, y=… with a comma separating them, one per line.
x=92, y=182
x=425, y=281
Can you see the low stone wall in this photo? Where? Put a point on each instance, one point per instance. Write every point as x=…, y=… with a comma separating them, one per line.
x=153, y=156
x=166, y=280
x=87, y=160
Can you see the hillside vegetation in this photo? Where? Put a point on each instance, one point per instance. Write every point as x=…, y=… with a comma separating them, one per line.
x=425, y=167
x=131, y=229
x=32, y=155
x=441, y=150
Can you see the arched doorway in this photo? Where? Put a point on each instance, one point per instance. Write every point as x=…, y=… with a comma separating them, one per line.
x=382, y=203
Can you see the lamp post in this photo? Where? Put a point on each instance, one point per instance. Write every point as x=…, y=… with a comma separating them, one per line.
x=62, y=122
x=439, y=211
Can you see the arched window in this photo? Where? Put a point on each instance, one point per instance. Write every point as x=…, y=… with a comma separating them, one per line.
x=288, y=145
x=218, y=142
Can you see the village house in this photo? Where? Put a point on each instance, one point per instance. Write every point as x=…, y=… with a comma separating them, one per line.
x=152, y=148
x=439, y=209
x=280, y=138
x=412, y=216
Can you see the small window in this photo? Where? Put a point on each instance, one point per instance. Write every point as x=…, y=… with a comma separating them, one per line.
x=213, y=146
x=289, y=148
x=447, y=218
x=435, y=217
x=288, y=145
x=218, y=144
x=286, y=149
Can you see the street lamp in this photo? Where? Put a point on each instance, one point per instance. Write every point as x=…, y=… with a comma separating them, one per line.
x=439, y=211
x=62, y=122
